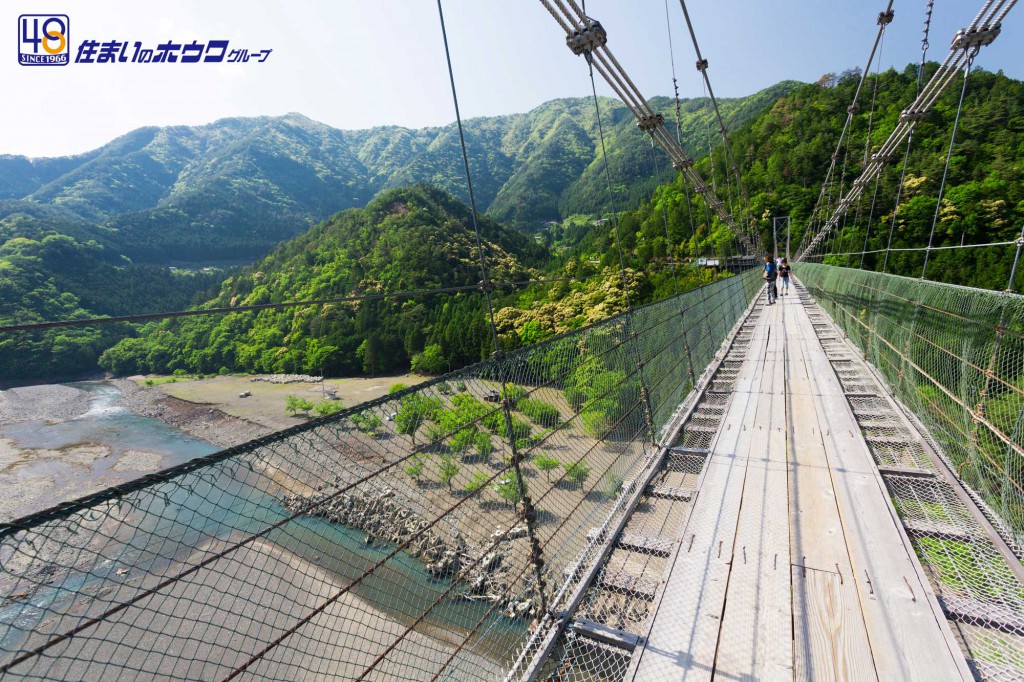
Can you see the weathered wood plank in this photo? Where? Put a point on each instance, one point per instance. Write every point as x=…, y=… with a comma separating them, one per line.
x=828, y=626
x=909, y=638
x=600, y=632
x=823, y=641
x=756, y=639
x=682, y=636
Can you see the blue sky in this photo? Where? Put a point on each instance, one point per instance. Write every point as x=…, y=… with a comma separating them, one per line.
x=355, y=64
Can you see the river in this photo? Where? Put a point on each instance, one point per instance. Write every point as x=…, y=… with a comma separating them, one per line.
x=205, y=510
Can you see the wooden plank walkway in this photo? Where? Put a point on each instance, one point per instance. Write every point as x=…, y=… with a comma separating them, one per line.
x=793, y=564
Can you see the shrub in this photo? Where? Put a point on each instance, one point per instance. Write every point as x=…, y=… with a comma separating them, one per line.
x=448, y=469
x=513, y=394
x=328, y=407
x=496, y=422
x=476, y=482
x=524, y=444
x=367, y=423
x=547, y=464
x=578, y=473
x=415, y=467
x=461, y=387
x=463, y=440
x=484, y=446
x=415, y=409
x=396, y=387
x=576, y=397
x=445, y=388
x=539, y=412
x=295, y=404
x=509, y=489
x=435, y=433
x=596, y=423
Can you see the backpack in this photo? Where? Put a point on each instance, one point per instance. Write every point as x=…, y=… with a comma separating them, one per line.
x=770, y=270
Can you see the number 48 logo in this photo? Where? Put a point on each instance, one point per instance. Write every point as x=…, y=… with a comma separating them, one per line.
x=43, y=39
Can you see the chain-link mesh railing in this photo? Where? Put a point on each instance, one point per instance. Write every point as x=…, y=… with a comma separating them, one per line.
x=391, y=540
x=974, y=580
x=953, y=355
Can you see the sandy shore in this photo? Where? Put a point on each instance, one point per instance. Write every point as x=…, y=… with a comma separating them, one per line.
x=51, y=402
x=196, y=418
x=266, y=402
x=205, y=626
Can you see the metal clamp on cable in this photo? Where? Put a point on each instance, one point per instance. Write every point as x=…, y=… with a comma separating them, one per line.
x=911, y=116
x=702, y=65
x=683, y=164
x=648, y=122
x=885, y=18
x=586, y=39
x=487, y=286
x=853, y=108
x=881, y=158
x=965, y=38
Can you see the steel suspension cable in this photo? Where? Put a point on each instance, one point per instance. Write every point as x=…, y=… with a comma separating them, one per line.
x=649, y=416
x=528, y=511
x=981, y=32
x=256, y=307
x=587, y=35
x=728, y=157
x=910, y=135
x=945, y=168
x=867, y=149
x=884, y=19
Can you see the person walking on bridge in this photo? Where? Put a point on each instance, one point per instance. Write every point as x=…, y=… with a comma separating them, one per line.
x=784, y=274
x=770, y=274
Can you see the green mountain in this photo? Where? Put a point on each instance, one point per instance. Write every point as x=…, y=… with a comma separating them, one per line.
x=406, y=239
x=235, y=188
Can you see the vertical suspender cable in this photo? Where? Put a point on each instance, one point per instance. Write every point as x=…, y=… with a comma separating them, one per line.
x=627, y=319
x=867, y=154
x=528, y=511
x=909, y=138
x=949, y=154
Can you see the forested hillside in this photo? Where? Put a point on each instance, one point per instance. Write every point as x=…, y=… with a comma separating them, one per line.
x=229, y=192
x=405, y=239
x=58, y=278
x=786, y=151
x=416, y=237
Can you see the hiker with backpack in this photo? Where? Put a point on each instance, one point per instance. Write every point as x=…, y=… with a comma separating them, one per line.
x=771, y=272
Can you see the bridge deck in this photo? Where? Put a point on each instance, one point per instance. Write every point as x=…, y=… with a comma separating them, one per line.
x=793, y=564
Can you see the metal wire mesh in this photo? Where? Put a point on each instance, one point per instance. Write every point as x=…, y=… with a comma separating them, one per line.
x=981, y=596
x=953, y=355
x=389, y=541
x=615, y=608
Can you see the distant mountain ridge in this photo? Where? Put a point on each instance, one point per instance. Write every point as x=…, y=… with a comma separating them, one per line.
x=235, y=188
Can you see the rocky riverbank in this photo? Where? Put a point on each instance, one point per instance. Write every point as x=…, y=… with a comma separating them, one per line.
x=485, y=572
x=197, y=420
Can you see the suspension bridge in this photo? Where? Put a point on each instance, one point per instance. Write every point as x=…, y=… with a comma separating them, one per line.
x=827, y=488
